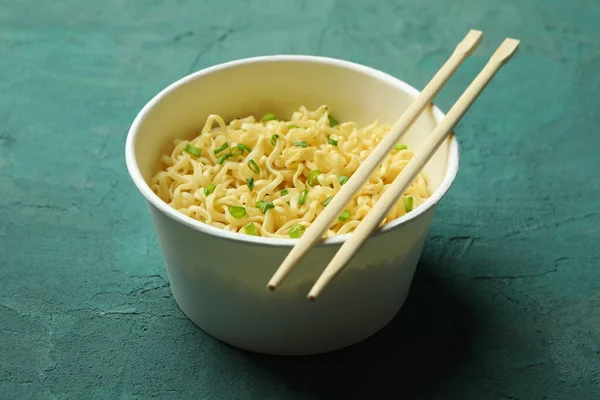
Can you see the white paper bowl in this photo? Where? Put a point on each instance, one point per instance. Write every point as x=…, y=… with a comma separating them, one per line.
x=219, y=278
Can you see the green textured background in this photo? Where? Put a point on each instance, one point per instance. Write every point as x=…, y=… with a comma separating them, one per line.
x=506, y=301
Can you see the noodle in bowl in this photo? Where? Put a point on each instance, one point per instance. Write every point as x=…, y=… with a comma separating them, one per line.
x=286, y=154
x=272, y=178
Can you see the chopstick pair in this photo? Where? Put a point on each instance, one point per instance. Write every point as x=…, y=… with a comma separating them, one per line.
x=316, y=230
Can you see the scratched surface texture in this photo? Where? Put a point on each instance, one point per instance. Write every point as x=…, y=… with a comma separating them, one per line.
x=506, y=300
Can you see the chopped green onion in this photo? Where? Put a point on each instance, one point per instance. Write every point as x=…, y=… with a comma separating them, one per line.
x=292, y=126
x=312, y=178
x=208, y=190
x=296, y=231
x=344, y=216
x=284, y=192
x=193, y=150
x=400, y=147
x=302, y=197
x=327, y=201
x=222, y=158
x=265, y=206
x=274, y=139
x=408, y=203
x=221, y=148
x=239, y=149
x=237, y=211
x=331, y=141
x=250, y=183
x=332, y=121
x=244, y=147
x=253, y=167
x=301, y=144
x=342, y=179
x=250, y=229
x=259, y=203
x=268, y=117
x=203, y=219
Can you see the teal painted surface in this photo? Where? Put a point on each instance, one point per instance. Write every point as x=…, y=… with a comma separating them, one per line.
x=506, y=301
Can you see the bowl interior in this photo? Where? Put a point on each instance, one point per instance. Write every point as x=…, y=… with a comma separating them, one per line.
x=279, y=84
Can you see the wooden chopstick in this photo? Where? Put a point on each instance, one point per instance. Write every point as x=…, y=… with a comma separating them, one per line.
x=316, y=230
x=416, y=164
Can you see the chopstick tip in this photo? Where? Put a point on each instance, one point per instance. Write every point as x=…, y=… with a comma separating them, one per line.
x=470, y=42
x=314, y=293
x=507, y=49
x=276, y=279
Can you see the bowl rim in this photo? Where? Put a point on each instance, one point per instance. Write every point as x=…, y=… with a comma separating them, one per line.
x=154, y=200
